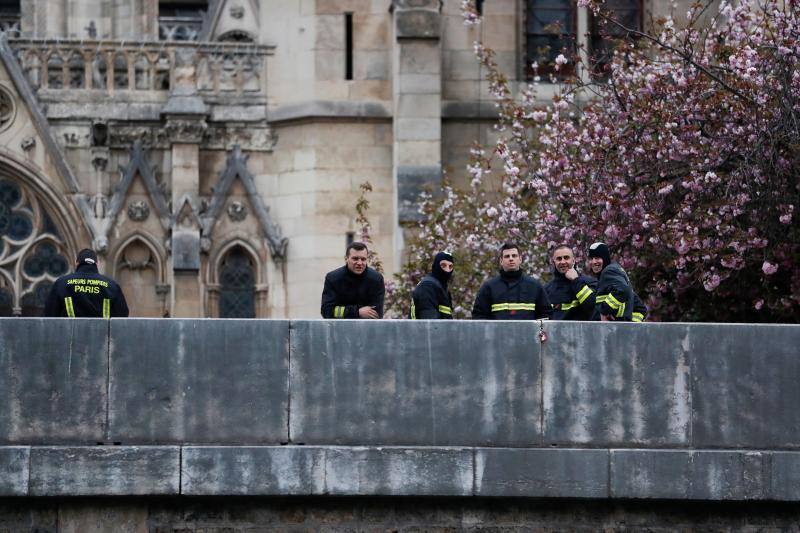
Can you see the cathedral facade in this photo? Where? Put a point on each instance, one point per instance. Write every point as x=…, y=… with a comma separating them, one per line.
x=211, y=151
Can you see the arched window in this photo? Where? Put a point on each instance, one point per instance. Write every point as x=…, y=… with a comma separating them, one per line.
x=237, y=285
x=31, y=253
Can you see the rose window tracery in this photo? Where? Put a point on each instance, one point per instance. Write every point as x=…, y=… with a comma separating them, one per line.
x=32, y=253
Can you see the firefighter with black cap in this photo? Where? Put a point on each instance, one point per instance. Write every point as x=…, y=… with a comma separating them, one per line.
x=430, y=298
x=615, y=299
x=86, y=292
x=512, y=295
x=571, y=292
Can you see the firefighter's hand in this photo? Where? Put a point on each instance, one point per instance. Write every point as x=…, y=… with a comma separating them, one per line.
x=367, y=312
x=571, y=274
x=606, y=318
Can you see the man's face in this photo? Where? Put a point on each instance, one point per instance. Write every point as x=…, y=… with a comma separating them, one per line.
x=596, y=264
x=356, y=261
x=510, y=259
x=445, y=265
x=563, y=259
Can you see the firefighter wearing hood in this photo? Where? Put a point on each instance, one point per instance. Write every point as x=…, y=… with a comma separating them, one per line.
x=431, y=298
x=615, y=299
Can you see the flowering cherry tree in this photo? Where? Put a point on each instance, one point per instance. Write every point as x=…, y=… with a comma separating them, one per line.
x=684, y=158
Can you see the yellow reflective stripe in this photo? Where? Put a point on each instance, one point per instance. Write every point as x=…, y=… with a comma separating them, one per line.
x=68, y=305
x=612, y=302
x=445, y=310
x=638, y=317
x=583, y=293
x=106, y=308
x=413, y=311
x=621, y=310
x=513, y=307
x=338, y=311
x=569, y=305
x=600, y=299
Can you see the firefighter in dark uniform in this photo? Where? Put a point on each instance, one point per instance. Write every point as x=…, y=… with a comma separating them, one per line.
x=512, y=295
x=353, y=290
x=86, y=292
x=430, y=298
x=615, y=298
x=570, y=292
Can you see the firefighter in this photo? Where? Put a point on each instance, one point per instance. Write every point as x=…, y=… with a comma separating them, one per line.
x=354, y=290
x=86, y=292
x=615, y=298
x=570, y=292
x=512, y=295
x=430, y=298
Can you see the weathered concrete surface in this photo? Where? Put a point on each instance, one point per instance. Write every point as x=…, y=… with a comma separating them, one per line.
x=398, y=471
x=53, y=380
x=252, y=470
x=627, y=384
x=542, y=473
x=199, y=381
x=448, y=383
x=14, y=462
x=744, y=388
x=694, y=475
x=104, y=470
x=785, y=485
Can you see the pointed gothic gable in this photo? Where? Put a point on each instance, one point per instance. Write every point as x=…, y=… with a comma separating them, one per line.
x=138, y=166
x=233, y=20
x=236, y=167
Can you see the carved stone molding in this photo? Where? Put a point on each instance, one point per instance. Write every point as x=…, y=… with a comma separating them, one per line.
x=8, y=108
x=253, y=138
x=186, y=131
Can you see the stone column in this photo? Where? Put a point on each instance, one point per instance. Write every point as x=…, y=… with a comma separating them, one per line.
x=417, y=60
x=185, y=114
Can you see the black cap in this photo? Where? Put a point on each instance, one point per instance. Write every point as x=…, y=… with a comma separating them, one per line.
x=87, y=257
x=600, y=249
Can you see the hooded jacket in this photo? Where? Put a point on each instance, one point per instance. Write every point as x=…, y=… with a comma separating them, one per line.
x=430, y=299
x=511, y=296
x=615, y=295
x=345, y=292
x=571, y=300
x=86, y=293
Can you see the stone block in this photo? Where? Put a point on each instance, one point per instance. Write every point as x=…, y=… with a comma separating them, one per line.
x=420, y=57
x=744, y=388
x=419, y=106
x=417, y=24
x=690, y=474
x=609, y=384
x=14, y=461
x=199, y=381
x=398, y=471
x=419, y=129
x=252, y=470
x=105, y=471
x=420, y=83
x=542, y=473
x=415, y=383
x=411, y=181
x=53, y=376
x=785, y=478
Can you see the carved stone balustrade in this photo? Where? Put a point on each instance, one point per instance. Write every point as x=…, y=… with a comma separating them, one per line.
x=223, y=70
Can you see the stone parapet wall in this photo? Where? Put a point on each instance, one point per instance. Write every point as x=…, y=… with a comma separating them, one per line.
x=462, y=408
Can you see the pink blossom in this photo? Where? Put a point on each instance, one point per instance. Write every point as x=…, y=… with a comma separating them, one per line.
x=769, y=268
x=711, y=282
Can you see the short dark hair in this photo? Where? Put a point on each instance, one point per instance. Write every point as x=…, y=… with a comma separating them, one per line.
x=355, y=245
x=509, y=246
x=560, y=246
